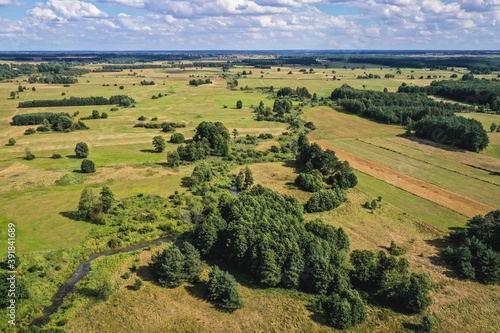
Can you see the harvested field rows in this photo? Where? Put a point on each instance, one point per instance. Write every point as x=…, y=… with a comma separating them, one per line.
x=456, y=202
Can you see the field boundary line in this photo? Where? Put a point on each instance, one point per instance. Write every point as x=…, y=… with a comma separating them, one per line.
x=441, y=196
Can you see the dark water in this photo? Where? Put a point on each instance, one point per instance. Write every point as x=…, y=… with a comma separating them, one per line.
x=82, y=271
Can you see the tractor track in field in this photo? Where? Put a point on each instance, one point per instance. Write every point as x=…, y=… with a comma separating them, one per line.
x=446, y=198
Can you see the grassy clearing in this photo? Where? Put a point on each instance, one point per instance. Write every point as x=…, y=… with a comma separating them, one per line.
x=41, y=227
x=336, y=124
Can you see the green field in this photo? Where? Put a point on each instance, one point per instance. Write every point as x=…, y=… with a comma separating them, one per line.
x=127, y=164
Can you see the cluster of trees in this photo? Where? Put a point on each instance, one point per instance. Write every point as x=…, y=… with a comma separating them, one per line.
x=392, y=108
x=482, y=92
x=5, y=285
x=301, y=93
x=388, y=280
x=37, y=118
x=10, y=71
x=369, y=76
x=217, y=136
x=430, y=119
x=52, y=79
x=95, y=115
x=198, y=82
x=61, y=122
x=93, y=206
x=147, y=83
x=342, y=310
x=177, y=265
x=325, y=200
x=476, y=251
x=263, y=234
x=311, y=182
x=244, y=180
x=122, y=100
x=210, y=139
x=461, y=132
x=317, y=164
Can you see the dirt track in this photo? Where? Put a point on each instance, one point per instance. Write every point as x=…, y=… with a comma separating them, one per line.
x=454, y=201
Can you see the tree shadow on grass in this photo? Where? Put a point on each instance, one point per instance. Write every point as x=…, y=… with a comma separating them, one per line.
x=413, y=327
x=438, y=260
x=145, y=274
x=151, y=151
x=197, y=290
x=71, y=215
x=73, y=156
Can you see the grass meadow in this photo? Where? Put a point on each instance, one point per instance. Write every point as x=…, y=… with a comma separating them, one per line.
x=126, y=162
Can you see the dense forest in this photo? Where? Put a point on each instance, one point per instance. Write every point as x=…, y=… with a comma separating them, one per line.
x=122, y=100
x=10, y=71
x=477, y=65
x=469, y=90
x=476, y=251
x=429, y=118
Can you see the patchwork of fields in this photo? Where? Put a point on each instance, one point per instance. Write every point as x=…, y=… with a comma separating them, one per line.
x=426, y=189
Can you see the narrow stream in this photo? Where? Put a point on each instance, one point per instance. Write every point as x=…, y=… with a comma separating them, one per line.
x=82, y=271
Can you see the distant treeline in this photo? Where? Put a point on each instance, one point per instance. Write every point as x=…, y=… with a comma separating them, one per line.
x=52, y=79
x=472, y=90
x=10, y=71
x=119, y=68
x=78, y=101
x=477, y=65
x=392, y=108
x=430, y=119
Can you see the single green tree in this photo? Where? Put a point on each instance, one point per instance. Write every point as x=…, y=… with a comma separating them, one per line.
x=88, y=166
x=493, y=127
x=428, y=323
x=173, y=159
x=107, y=198
x=193, y=266
x=87, y=203
x=235, y=133
x=13, y=94
x=12, y=141
x=169, y=267
x=248, y=178
x=159, y=143
x=82, y=150
x=239, y=104
x=223, y=290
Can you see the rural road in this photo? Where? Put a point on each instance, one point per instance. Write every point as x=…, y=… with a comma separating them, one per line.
x=454, y=201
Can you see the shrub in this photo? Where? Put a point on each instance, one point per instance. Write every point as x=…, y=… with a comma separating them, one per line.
x=28, y=155
x=239, y=104
x=142, y=118
x=12, y=141
x=114, y=109
x=30, y=131
x=81, y=150
x=159, y=143
x=137, y=285
x=104, y=115
x=70, y=179
x=122, y=87
x=88, y=166
x=428, y=323
x=177, y=138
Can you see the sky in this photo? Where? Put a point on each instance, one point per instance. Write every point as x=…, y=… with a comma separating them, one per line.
x=101, y=25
